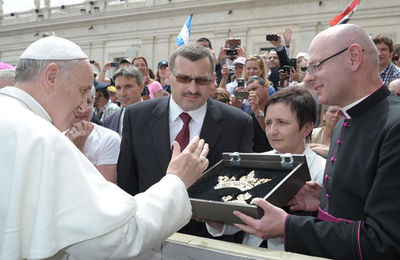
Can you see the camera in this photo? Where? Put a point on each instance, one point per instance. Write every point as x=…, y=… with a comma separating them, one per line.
x=240, y=82
x=91, y=61
x=272, y=37
x=233, y=44
x=114, y=64
x=241, y=94
x=231, y=52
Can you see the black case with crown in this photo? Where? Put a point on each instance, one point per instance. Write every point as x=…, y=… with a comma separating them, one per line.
x=288, y=173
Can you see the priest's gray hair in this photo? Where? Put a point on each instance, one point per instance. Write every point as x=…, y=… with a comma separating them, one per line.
x=129, y=72
x=192, y=52
x=29, y=69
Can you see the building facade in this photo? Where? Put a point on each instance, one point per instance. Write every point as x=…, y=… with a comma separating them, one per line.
x=110, y=29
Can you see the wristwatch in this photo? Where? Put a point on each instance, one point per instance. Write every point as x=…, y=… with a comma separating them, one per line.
x=260, y=114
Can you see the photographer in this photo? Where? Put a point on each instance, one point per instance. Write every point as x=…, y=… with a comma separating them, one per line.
x=108, y=66
x=254, y=66
x=231, y=50
x=279, y=58
x=238, y=72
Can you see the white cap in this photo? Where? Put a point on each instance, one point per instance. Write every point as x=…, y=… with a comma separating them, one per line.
x=53, y=48
x=239, y=60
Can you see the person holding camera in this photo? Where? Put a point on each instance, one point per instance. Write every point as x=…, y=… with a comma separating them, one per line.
x=279, y=57
x=231, y=50
x=238, y=64
x=254, y=66
x=109, y=66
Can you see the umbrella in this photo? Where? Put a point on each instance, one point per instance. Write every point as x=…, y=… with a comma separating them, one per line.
x=5, y=66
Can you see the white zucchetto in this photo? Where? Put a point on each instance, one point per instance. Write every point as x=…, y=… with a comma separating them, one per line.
x=53, y=48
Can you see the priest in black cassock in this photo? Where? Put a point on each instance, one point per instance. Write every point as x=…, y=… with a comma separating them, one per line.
x=357, y=208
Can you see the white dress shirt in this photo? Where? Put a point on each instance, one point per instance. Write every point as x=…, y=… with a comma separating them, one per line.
x=176, y=123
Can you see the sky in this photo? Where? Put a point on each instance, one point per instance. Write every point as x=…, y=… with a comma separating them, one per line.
x=14, y=6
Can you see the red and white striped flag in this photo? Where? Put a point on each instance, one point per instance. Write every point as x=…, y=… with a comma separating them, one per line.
x=346, y=15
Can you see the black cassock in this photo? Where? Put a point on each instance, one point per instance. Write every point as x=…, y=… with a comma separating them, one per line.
x=359, y=217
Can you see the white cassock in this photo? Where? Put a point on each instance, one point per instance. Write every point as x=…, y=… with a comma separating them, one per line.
x=54, y=201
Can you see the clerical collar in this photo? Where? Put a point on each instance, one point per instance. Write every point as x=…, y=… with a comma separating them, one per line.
x=27, y=100
x=346, y=108
x=197, y=115
x=363, y=104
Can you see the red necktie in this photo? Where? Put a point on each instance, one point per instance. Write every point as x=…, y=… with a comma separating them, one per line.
x=184, y=135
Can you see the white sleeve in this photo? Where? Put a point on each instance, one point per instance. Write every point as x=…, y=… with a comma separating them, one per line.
x=228, y=229
x=161, y=210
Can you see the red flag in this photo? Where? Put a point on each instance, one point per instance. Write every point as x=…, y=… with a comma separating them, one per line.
x=346, y=15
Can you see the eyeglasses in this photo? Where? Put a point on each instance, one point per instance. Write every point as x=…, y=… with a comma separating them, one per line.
x=186, y=79
x=312, y=68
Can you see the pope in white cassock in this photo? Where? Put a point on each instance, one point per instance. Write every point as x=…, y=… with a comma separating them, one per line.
x=53, y=201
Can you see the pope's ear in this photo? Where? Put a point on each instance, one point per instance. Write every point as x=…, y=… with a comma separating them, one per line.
x=50, y=74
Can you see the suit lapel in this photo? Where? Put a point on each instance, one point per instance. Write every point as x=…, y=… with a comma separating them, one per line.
x=118, y=116
x=212, y=128
x=160, y=131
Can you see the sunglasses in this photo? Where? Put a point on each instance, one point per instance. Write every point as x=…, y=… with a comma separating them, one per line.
x=186, y=79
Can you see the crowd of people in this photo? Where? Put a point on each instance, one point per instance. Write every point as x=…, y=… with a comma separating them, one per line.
x=105, y=153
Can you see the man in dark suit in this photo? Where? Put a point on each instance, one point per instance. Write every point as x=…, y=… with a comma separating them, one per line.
x=129, y=86
x=151, y=127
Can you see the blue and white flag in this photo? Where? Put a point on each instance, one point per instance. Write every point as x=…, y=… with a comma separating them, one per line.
x=184, y=36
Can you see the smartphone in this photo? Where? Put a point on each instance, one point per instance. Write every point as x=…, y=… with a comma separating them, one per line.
x=286, y=69
x=272, y=37
x=234, y=42
x=242, y=94
x=293, y=63
x=114, y=64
